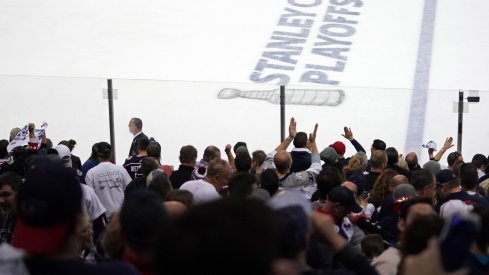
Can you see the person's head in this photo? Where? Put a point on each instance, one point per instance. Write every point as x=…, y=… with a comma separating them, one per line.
x=432, y=166
x=241, y=185
x=372, y=246
x=103, y=151
x=142, y=219
x=148, y=164
x=356, y=164
x=412, y=209
x=183, y=196
x=339, y=147
x=158, y=182
x=468, y=176
x=283, y=162
x=378, y=144
x=154, y=150
x=237, y=145
x=10, y=183
x=378, y=160
x=416, y=236
x=329, y=156
x=93, y=154
x=424, y=183
x=211, y=152
x=135, y=125
x=3, y=149
x=219, y=235
x=397, y=180
x=341, y=202
x=293, y=231
x=269, y=181
x=175, y=208
x=14, y=133
x=300, y=140
x=49, y=211
x=479, y=161
x=64, y=154
x=392, y=156
x=257, y=159
x=188, y=155
x=328, y=178
x=381, y=188
x=447, y=182
x=242, y=162
x=456, y=166
x=143, y=145
x=412, y=161
x=452, y=157
x=218, y=173
x=68, y=143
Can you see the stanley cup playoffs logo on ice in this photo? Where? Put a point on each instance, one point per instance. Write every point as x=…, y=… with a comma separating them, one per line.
x=310, y=44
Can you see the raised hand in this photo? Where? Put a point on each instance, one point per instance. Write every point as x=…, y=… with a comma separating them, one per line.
x=292, y=128
x=348, y=133
x=312, y=137
x=448, y=143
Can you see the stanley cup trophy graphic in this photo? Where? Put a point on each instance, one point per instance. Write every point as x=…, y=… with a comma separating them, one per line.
x=318, y=97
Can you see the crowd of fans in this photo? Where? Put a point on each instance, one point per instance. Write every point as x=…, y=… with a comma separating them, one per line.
x=303, y=211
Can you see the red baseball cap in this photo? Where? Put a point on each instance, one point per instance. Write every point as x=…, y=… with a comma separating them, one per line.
x=339, y=147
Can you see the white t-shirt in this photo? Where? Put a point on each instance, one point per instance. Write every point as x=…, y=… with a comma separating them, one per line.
x=109, y=182
x=91, y=203
x=202, y=190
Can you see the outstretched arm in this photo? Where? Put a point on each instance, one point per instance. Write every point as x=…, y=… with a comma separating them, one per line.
x=447, y=145
x=292, y=132
x=349, y=136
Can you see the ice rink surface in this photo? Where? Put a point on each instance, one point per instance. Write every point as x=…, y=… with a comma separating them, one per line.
x=169, y=60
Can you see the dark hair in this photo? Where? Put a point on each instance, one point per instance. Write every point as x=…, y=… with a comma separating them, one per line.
x=161, y=185
x=421, y=178
x=239, y=144
x=406, y=205
x=378, y=145
x=188, y=153
x=452, y=157
x=68, y=143
x=392, y=156
x=282, y=165
x=300, y=140
x=479, y=160
x=372, y=245
x=137, y=122
x=412, y=163
x=154, y=150
x=143, y=144
x=93, y=155
x=3, y=148
x=211, y=152
x=269, y=181
x=148, y=164
x=142, y=219
x=241, y=185
x=416, y=236
x=456, y=166
x=242, y=162
x=328, y=178
x=216, y=167
x=183, y=196
x=468, y=176
x=226, y=231
x=104, y=150
x=11, y=179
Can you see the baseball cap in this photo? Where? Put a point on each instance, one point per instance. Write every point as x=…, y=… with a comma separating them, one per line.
x=339, y=147
x=48, y=203
x=345, y=197
x=430, y=145
x=63, y=152
x=329, y=155
x=445, y=176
